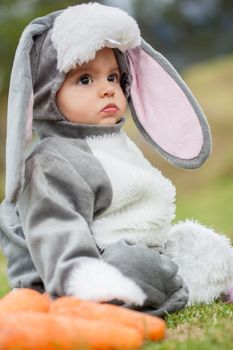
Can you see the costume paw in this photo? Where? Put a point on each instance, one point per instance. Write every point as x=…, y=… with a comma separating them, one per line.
x=97, y=280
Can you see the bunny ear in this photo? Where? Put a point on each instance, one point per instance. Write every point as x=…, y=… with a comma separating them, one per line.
x=20, y=108
x=165, y=111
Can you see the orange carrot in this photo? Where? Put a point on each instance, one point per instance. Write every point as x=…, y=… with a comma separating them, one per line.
x=44, y=331
x=150, y=327
x=24, y=299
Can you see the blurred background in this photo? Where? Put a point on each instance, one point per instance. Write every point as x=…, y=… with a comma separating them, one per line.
x=197, y=37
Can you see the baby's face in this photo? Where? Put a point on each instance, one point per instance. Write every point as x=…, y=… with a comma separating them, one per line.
x=91, y=93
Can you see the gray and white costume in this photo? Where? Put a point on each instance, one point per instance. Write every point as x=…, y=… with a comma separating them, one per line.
x=85, y=213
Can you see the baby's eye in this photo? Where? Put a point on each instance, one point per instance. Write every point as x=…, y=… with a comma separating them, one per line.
x=114, y=78
x=85, y=80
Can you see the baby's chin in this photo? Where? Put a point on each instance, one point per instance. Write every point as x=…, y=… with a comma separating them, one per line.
x=111, y=120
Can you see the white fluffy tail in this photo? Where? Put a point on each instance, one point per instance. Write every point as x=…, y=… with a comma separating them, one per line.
x=205, y=260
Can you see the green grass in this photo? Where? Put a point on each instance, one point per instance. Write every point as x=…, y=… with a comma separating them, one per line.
x=199, y=328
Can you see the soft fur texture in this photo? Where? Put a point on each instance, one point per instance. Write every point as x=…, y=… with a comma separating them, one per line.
x=83, y=29
x=98, y=281
x=142, y=207
x=205, y=260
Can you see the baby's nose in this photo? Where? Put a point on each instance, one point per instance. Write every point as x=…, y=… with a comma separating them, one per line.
x=107, y=89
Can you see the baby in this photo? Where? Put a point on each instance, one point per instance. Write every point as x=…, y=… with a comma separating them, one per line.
x=86, y=214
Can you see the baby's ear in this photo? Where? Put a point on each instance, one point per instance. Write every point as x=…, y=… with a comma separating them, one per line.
x=165, y=111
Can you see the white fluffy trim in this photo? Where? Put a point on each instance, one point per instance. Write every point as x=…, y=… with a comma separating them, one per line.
x=97, y=280
x=82, y=30
x=142, y=204
x=205, y=260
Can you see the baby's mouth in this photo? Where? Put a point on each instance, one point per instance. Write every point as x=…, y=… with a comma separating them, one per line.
x=111, y=108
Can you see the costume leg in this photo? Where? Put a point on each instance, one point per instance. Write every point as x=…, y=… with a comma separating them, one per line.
x=205, y=260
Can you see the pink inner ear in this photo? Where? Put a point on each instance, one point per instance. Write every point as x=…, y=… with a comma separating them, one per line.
x=162, y=108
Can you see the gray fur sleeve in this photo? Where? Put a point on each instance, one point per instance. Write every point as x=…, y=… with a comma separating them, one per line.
x=55, y=208
x=55, y=231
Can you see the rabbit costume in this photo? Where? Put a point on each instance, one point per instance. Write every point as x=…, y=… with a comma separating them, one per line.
x=85, y=213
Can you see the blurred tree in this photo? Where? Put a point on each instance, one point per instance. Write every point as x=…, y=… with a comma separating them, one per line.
x=185, y=31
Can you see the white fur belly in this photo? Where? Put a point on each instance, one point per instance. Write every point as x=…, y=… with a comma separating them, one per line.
x=143, y=200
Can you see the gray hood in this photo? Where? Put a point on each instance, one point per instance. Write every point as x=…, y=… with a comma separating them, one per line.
x=47, y=79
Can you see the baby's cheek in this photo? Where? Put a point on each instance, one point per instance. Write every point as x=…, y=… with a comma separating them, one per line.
x=124, y=104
